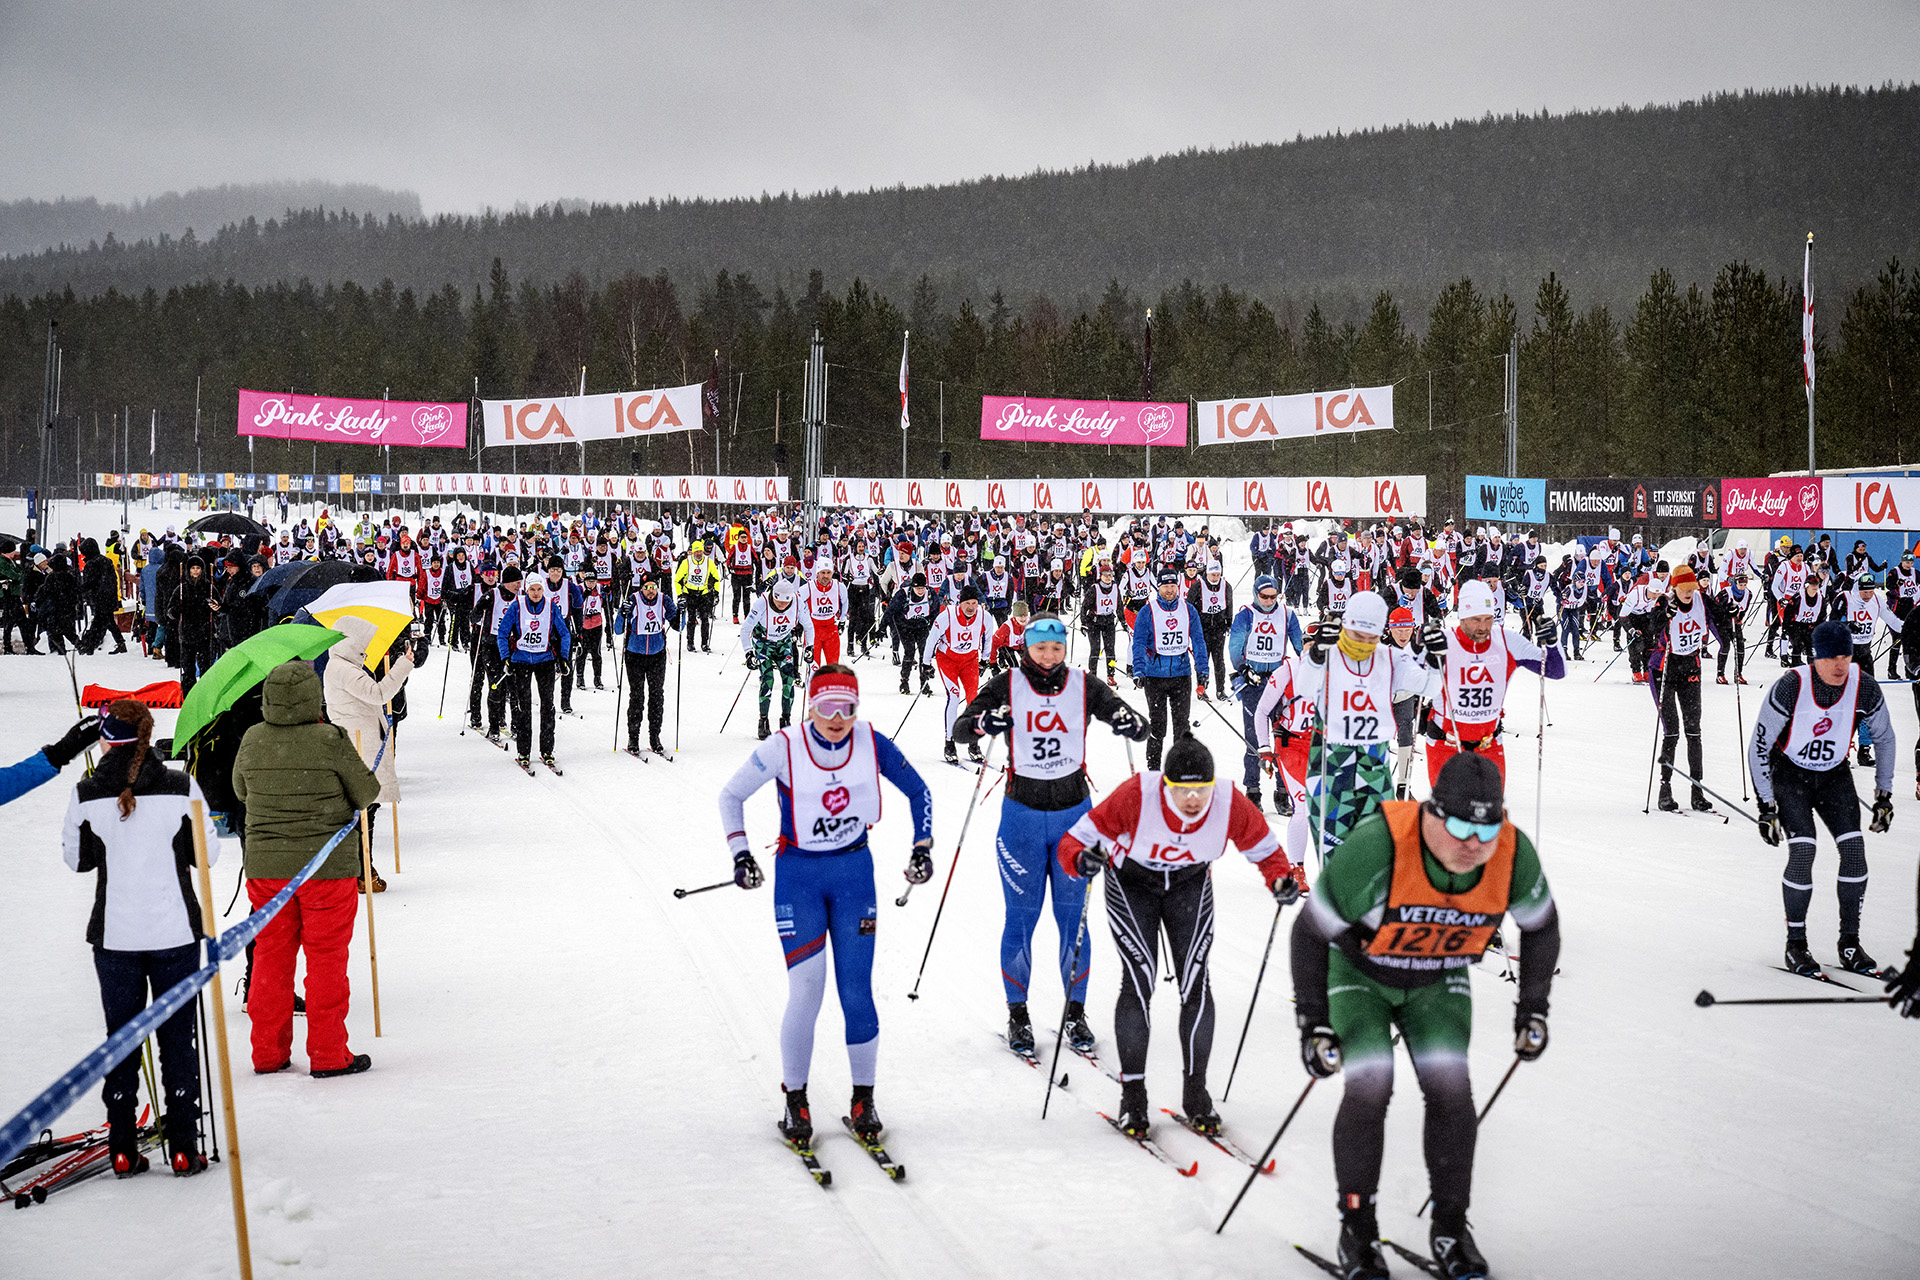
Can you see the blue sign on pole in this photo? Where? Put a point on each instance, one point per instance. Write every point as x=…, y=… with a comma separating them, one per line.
x=1506, y=500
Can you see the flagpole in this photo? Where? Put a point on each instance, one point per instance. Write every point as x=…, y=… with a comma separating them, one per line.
x=1806, y=342
x=905, y=335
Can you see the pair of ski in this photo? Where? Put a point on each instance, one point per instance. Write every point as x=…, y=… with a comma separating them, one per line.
x=1332, y=1268
x=526, y=767
x=649, y=755
x=822, y=1175
x=1887, y=974
x=68, y=1162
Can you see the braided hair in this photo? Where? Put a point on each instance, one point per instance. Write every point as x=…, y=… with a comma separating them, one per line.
x=137, y=715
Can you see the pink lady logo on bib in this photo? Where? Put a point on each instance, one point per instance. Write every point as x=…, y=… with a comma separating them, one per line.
x=1821, y=726
x=835, y=800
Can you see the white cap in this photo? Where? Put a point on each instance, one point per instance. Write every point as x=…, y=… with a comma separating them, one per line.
x=1596, y=554
x=1741, y=545
x=1476, y=600
x=1614, y=534
x=1366, y=614
x=1339, y=566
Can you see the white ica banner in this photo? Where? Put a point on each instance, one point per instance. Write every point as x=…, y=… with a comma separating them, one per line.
x=1361, y=497
x=1316, y=413
x=567, y=419
x=608, y=489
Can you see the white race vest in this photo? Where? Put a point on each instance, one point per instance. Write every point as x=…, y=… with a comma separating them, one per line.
x=462, y=576
x=962, y=636
x=1359, y=710
x=1158, y=847
x=1105, y=600
x=1049, y=733
x=823, y=605
x=918, y=608
x=1170, y=638
x=1477, y=682
x=1818, y=737
x=1213, y=599
x=649, y=619
x=697, y=574
x=832, y=808
x=779, y=623
x=1338, y=592
x=1687, y=628
x=536, y=627
x=1267, y=637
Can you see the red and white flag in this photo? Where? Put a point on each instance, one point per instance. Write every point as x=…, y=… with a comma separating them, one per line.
x=1806, y=320
x=903, y=379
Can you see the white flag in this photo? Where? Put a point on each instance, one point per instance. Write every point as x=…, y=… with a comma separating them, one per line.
x=1806, y=320
x=903, y=379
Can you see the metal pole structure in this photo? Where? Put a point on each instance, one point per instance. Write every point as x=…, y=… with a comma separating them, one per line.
x=1513, y=404
x=196, y=426
x=1806, y=329
x=816, y=412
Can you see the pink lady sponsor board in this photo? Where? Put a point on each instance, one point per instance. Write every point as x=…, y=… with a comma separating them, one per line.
x=284, y=416
x=1772, y=503
x=1082, y=421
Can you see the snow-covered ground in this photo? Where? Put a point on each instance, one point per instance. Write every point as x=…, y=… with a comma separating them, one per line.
x=580, y=1073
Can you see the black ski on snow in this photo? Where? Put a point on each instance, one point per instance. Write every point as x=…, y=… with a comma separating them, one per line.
x=637, y=754
x=821, y=1174
x=1822, y=976
x=1098, y=1065
x=1031, y=1059
x=1223, y=1142
x=1152, y=1148
x=526, y=766
x=888, y=1165
x=1331, y=1268
x=555, y=769
x=1419, y=1260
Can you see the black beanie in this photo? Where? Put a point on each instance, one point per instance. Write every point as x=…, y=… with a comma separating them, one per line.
x=1469, y=787
x=1188, y=760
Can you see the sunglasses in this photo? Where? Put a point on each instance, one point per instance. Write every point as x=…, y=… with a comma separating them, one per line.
x=1484, y=832
x=1269, y=595
x=1189, y=786
x=835, y=706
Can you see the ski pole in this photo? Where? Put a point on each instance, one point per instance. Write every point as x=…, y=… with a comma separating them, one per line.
x=1659, y=727
x=1326, y=684
x=1261, y=1163
x=444, y=672
x=206, y=1075
x=1073, y=970
x=1706, y=1000
x=1481, y=1118
x=1540, y=763
x=1740, y=726
x=705, y=888
x=903, y=719
x=1610, y=661
x=679, y=661
x=1716, y=795
x=736, y=698
x=619, y=669
x=1248, y=1024
x=965, y=822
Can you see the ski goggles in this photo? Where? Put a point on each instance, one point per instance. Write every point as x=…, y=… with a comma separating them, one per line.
x=834, y=704
x=1187, y=786
x=1461, y=829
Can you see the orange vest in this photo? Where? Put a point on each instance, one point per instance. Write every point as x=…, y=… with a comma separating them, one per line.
x=1425, y=928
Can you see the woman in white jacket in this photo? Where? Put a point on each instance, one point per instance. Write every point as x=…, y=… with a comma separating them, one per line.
x=357, y=702
x=130, y=822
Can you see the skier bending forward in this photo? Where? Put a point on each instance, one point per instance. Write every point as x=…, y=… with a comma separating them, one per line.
x=828, y=769
x=1414, y=897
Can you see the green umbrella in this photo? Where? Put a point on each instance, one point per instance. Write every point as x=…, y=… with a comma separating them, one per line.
x=242, y=667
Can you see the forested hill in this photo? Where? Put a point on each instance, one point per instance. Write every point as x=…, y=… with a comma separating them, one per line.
x=1602, y=198
x=31, y=226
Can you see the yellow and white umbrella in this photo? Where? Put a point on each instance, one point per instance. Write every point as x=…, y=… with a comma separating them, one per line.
x=388, y=606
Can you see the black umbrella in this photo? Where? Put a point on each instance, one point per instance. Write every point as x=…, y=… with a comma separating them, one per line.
x=298, y=592
x=230, y=523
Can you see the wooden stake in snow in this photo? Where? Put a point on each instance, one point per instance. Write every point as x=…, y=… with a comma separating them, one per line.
x=366, y=886
x=211, y=928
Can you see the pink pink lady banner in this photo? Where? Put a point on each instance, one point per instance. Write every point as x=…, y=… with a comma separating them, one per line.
x=393, y=422
x=1773, y=503
x=1082, y=421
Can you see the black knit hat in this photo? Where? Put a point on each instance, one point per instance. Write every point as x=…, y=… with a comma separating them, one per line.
x=1469, y=787
x=1188, y=760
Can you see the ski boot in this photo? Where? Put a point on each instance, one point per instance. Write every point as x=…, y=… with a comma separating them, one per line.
x=926, y=680
x=973, y=753
x=1739, y=679
x=1136, y=1119
x=1719, y=679
x=1700, y=802
x=1853, y=958
x=786, y=717
x=1800, y=960
x=1112, y=683
x=764, y=730
x=128, y=1163
x=546, y=758
x=903, y=681
x=654, y=745
x=633, y=746
x=1200, y=692
x=1454, y=1253
x=187, y=1161
x=1667, y=803
x=1198, y=1104
x=796, y=1125
x=473, y=723
x=1283, y=802
x=1864, y=756
x=1079, y=1034
x=1360, y=1256
x=864, y=1117
x=1019, y=1028
x=950, y=753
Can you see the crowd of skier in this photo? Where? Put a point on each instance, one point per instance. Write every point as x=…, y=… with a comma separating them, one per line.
x=1349, y=654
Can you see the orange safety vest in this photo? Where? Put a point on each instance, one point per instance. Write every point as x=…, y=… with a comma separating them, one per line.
x=1425, y=928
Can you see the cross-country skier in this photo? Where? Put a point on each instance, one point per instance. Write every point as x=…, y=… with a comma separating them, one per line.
x=1099, y=609
x=1043, y=708
x=644, y=620
x=1161, y=832
x=493, y=595
x=1256, y=645
x=696, y=584
x=825, y=601
x=1679, y=624
x=1798, y=757
x=911, y=615
x=532, y=631
x=827, y=770
x=1169, y=656
x=1481, y=656
x=1352, y=682
x=960, y=636
x=771, y=636
x=1414, y=897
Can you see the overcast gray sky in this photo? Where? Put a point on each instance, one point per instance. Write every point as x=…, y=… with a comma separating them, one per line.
x=492, y=103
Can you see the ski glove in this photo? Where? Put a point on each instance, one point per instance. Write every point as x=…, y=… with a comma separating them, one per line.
x=1089, y=861
x=753, y=659
x=1529, y=1035
x=746, y=872
x=1319, y=1049
x=1433, y=641
x=1128, y=723
x=1284, y=882
x=919, y=865
x=77, y=739
x=1770, y=829
x=994, y=721
x=1433, y=728
x=1882, y=812
x=1326, y=634
x=1904, y=990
